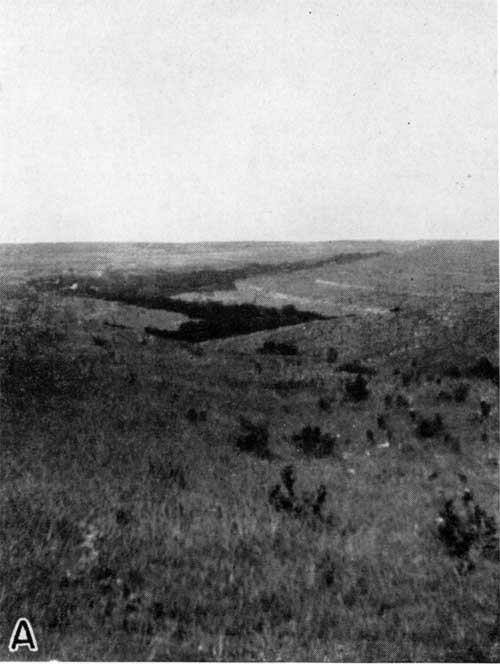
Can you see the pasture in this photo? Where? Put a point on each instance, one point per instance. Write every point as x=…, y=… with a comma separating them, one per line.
x=282, y=494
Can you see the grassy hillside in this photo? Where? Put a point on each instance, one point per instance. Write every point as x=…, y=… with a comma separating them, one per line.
x=281, y=495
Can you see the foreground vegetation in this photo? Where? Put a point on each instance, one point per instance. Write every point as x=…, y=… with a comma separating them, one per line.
x=271, y=498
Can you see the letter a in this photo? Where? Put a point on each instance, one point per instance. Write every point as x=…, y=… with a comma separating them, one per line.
x=23, y=636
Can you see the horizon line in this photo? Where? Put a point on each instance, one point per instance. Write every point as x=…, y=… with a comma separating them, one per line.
x=186, y=242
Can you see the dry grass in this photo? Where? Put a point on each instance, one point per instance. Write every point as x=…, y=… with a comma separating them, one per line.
x=134, y=532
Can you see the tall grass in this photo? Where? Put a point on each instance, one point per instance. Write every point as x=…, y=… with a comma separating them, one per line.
x=129, y=535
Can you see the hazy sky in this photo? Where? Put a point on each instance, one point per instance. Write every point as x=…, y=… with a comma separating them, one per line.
x=163, y=120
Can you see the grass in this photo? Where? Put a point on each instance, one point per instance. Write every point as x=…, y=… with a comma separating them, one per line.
x=136, y=502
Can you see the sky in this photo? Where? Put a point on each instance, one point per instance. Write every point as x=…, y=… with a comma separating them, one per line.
x=180, y=121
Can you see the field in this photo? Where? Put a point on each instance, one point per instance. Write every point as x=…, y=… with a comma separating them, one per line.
x=250, y=451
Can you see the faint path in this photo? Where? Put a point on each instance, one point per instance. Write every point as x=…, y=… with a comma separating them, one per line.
x=340, y=284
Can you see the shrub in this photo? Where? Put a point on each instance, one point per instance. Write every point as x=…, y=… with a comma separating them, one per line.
x=332, y=355
x=452, y=371
x=461, y=392
x=406, y=378
x=484, y=370
x=324, y=404
x=357, y=368
x=307, y=505
x=357, y=389
x=467, y=532
x=485, y=408
x=278, y=348
x=402, y=401
x=311, y=442
x=428, y=428
x=254, y=438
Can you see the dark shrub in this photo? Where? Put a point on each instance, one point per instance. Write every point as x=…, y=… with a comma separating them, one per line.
x=461, y=392
x=357, y=389
x=462, y=532
x=311, y=442
x=402, y=401
x=357, y=368
x=324, y=404
x=452, y=371
x=388, y=400
x=332, y=355
x=428, y=428
x=307, y=505
x=381, y=422
x=278, y=348
x=444, y=395
x=485, y=408
x=406, y=378
x=484, y=370
x=254, y=439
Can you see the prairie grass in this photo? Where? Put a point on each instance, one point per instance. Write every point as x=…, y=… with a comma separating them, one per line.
x=133, y=531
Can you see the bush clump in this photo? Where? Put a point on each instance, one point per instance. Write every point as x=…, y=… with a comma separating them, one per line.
x=324, y=404
x=254, y=438
x=357, y=389
x=332, y=355
x=469, y=533
x=357, y=368
x=430, y=427
x=484, y=370
x=278, y=348
x=461, y=392
x=452, y=371
x=311, y=442
x=307, y=505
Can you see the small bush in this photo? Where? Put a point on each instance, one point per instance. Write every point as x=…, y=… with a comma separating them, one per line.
x=468, y=532
x=485, y=408
x=406, y=378
x=311, y=442
x=357, y=389
x=452, y=371
x=428, y=428
x=332, y=355
x=324, y=404
x=279, y=348
x=357, y=368
x=307, y=505
x=484, y=370
x=254, y=439
x=402, y=401
x=461, y=392
x=445, y=396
